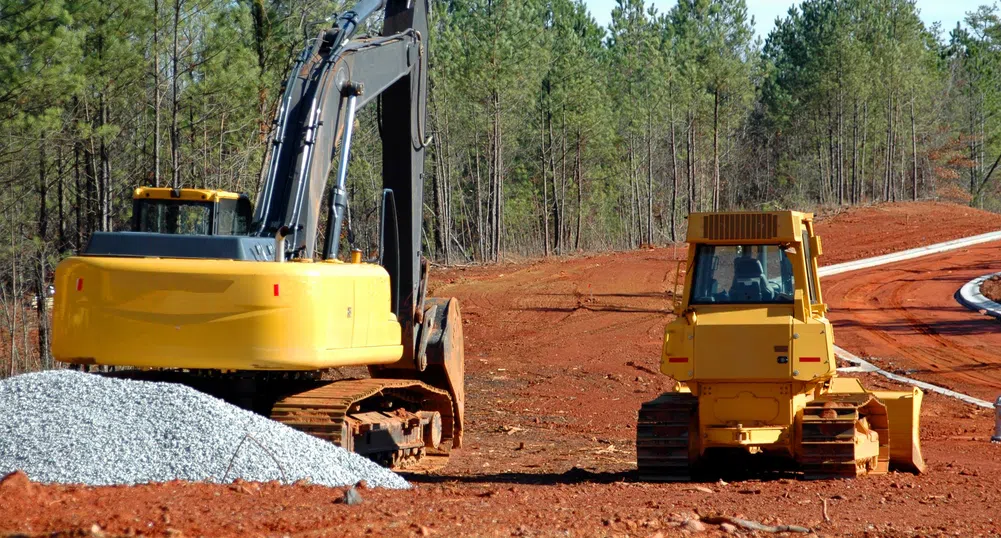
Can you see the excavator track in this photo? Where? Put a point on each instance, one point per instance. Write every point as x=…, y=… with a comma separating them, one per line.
x=844, y=436
x=398, y=423
x=664, y=452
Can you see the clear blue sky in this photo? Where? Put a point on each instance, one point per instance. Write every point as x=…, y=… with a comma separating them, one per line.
x=948, y=12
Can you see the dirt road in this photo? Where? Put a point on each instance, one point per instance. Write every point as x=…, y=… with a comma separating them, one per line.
x=560, y=354
x=904, y=316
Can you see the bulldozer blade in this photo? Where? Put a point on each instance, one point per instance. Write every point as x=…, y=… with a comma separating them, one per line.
x=903, y=409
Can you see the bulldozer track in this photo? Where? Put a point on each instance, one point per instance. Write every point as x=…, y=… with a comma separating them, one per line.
x=325, y=411
x=828, y=447
x=663, y=433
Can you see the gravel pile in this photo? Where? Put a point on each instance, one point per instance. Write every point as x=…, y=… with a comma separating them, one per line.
x=70, y=427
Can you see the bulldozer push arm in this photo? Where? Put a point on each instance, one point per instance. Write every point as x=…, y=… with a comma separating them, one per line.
x=217, y=312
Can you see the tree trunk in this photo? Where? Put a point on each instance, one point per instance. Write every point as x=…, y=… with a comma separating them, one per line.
x=649, y=179
x=692, y=179
x=716, y=150
x=104, y=184
x=498, y=181
x=674, y=181
x=562, y=235
x=156, y=93
x=545, y=188
x=888, y=160
x=78, y=199
x=555, y=205
x=632, y=195
x=841, y=149
x=479, y=199
x=175, y=134
x=854, y=188
x=437, y=192
x=42, y=318
x=60, y=193
x=914, y=155
x=580, y=191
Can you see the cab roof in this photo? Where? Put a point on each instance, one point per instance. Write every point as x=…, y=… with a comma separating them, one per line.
x=166, y=193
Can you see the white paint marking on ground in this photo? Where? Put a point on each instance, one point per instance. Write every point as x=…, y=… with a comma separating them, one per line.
x=937, y=248
x=863, y=366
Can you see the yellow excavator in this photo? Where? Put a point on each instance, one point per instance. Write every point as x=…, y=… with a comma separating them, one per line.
x=752, y=352
x=234, y=300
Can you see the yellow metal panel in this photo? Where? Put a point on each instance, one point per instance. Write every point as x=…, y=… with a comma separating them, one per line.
x=743, y=342
x=745, y=406
x=739, y=436
x=223, y=314
x=187, y=194
x=749, y=404
x=677, y=357
x=813, y=354
x=849, y=385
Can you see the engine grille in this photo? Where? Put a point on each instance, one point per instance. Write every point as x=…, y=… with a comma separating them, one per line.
x=740, y=226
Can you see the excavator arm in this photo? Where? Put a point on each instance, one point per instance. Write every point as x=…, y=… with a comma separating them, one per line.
x=333, y=78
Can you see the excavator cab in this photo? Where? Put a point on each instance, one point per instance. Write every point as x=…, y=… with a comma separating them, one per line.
x=190, y=211
x=752, y=352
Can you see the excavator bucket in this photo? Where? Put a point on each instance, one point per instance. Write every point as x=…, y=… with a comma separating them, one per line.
x=903, y=408
x=444, y=365
x=446, y=368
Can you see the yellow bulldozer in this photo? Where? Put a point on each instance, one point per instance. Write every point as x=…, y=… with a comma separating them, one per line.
x=752, y=352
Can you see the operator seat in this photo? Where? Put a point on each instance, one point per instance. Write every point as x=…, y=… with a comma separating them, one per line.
x=748, y=281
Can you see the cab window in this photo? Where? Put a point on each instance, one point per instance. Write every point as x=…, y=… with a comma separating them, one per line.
x=744, y=274
x=175, y=217
x=234, y=217
x=807, y=255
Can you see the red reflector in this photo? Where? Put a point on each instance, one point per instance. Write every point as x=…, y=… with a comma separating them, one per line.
x=809, y=359
x=276, y=290
x=677, y=359
x=79, y=284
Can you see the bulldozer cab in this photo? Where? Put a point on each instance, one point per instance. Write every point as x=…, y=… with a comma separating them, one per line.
x=742, y=274
x=754, y=258
x=190, y=212
x=751, y=306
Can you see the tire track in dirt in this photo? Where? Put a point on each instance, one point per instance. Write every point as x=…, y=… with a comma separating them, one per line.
x=905, y=315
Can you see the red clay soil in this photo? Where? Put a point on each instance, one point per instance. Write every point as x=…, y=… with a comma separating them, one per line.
x=905, y=317
x=559, y=356
x=856, y=233
x=991, y=288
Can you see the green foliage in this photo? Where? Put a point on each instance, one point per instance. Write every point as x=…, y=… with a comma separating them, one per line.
x=550, y=132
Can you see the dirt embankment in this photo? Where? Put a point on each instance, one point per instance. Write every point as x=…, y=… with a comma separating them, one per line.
x=991, y=288
x=864, y=232
x=561, y=353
